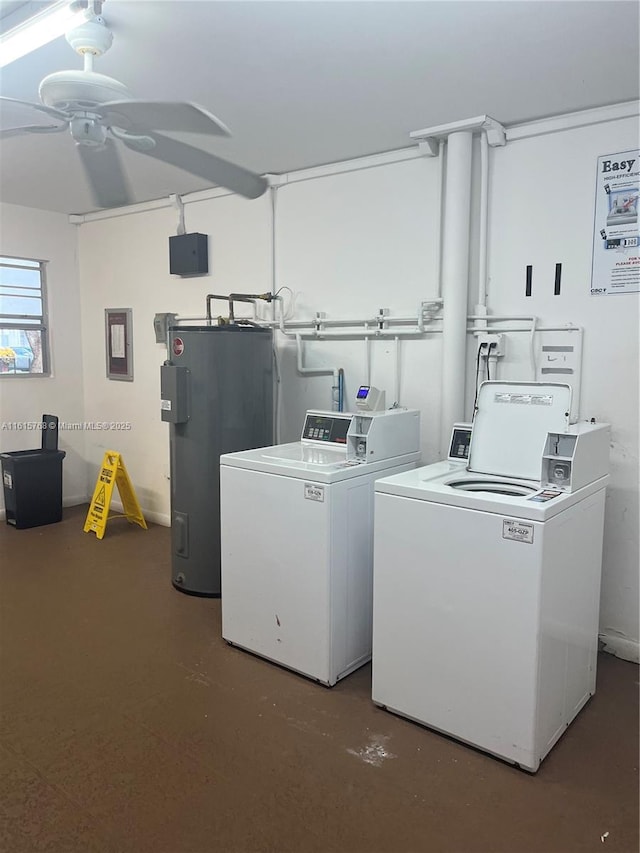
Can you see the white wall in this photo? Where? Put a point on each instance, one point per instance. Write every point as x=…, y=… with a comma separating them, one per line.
x=124, y=263
x=542, y=203
x=43, y=235
x=349, y=245
x=353, y=243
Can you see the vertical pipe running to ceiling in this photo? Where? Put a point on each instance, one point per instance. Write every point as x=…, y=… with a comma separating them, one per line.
x=438, y=272
x=277, y=409
x=273, y=193
x=481, y=306
x=455, y=279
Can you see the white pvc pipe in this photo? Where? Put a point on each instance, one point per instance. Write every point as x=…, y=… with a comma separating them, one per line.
x=367, y=357
x=335, y=323
x=494, y=317
x=372, y=334
x=484, y=215
x=317, y=371
x=455, y=280
x=369, y=334
x=438, y=273
x=273, y=198
x=396, y=396
x=568, y=328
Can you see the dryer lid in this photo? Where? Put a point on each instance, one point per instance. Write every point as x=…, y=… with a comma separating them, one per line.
x=511, y=423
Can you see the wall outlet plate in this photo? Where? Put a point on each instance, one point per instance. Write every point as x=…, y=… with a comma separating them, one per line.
x=488, y=338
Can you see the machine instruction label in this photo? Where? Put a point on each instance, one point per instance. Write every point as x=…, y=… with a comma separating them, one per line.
x=8, y=480
x=525, y=399
x=519, y=531
x=615, y=266
x=545, y=495
x=313, y=492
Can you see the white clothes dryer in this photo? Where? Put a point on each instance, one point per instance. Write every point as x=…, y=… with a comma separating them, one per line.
x=487, y=577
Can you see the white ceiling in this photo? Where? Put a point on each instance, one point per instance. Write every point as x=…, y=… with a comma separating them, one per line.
x=302, y=83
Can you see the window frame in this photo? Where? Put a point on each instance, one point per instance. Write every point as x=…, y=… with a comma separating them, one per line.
x=13, y=321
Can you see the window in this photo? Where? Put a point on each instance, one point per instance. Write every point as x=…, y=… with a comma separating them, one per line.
x=24, y=349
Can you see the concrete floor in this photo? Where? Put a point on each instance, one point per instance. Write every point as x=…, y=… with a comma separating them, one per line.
x=128, y=724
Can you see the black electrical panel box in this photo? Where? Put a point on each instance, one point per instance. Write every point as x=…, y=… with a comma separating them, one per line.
x=188, y=254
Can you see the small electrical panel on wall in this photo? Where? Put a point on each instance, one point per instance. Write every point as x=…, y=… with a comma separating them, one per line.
x=559, y=359
x=189, y=255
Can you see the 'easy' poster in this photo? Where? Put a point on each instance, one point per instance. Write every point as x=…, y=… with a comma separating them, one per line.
x=616, y=260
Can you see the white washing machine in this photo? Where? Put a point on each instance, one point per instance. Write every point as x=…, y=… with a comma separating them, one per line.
x=487, y=576
x=297, y=539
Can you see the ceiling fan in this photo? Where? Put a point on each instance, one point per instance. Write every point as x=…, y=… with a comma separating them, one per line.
x=98, y=110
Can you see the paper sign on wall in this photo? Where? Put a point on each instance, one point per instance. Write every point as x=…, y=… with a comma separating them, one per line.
x=616, y=260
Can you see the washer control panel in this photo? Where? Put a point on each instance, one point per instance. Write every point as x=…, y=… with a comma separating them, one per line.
x=330, y=429
x=460, y=442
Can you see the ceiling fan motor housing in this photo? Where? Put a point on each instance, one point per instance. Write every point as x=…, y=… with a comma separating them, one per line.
x=69, y=90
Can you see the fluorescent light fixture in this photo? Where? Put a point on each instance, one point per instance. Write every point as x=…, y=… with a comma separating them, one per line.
x=37, y=31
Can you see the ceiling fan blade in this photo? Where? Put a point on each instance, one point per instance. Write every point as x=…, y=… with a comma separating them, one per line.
x=38, y=128
x=205, y=165
x=108, y=182
x=8, y=102
x=142, y=116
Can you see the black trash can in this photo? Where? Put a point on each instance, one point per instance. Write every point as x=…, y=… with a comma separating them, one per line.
x=32, y=480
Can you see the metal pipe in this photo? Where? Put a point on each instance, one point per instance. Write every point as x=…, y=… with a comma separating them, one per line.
x=245, y=297
x=210, y=297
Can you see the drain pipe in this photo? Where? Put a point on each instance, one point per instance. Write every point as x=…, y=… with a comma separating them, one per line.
x=319, y=371
x=455, y=250
x=455, y=275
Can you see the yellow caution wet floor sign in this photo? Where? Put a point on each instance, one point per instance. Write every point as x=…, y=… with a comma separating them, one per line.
x=112, y=473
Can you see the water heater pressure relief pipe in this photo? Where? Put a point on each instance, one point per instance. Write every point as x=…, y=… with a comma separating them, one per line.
x=210, y=298
x=235, y=297
x=246, y=297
